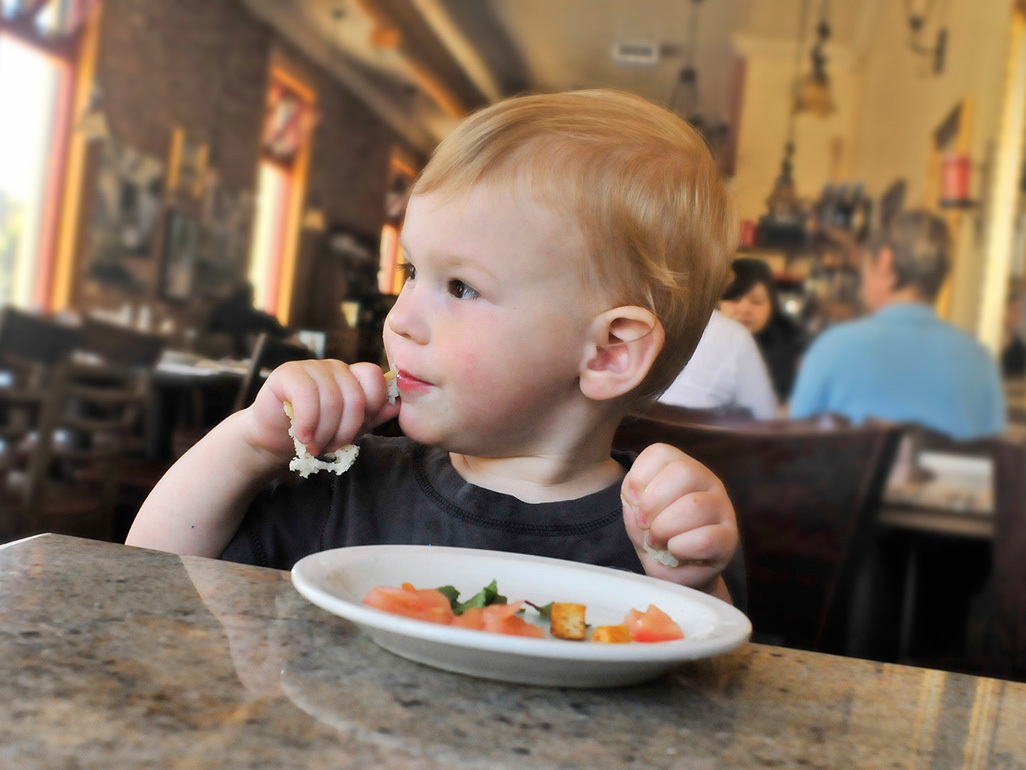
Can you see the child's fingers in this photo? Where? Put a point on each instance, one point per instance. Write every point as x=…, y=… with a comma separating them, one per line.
x=375, y=386
x=693, y=574
x=342, y=406
x=711, y=545
x=661, y=475
x=294, y=384
x=687, y=513
x=374, y=408
x=324, y=398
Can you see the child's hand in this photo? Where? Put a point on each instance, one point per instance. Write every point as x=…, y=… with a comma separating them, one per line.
x=333, y=403
x=673, y=502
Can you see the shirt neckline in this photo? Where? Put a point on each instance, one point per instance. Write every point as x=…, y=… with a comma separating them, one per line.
x=907, y=310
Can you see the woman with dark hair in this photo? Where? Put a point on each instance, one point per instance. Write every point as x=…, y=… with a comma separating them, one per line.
x=751, y=298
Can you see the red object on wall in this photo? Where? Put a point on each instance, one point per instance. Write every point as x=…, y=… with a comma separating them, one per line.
x=748, y=232
x=955, y=175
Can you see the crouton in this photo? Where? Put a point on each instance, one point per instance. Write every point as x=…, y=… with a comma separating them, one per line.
x=568, y=620
x=611, y=634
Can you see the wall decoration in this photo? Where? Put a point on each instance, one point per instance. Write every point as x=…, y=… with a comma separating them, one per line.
x=187, y=165
x=288, y=121
x=223, y=248
x=126, y=207
x=181, y=237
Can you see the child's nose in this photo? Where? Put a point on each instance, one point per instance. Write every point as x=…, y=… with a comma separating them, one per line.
x=404, y=320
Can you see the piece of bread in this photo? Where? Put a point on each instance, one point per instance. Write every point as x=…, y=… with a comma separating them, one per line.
x=342, y=458
x=568, y=621
x=305, y=463
x=662, y=556
x=393, y=386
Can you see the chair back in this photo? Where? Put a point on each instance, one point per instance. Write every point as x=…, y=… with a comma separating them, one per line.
x=998, y=643
x=31, y=350
x=1008, y=652
x=268, y=353
x=106, y=399
x=30, y=338
x=34, y=352
x=95, y=420
x=120, y=344
x=805, y=495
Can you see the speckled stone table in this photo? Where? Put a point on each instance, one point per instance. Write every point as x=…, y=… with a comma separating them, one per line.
x=121, y=657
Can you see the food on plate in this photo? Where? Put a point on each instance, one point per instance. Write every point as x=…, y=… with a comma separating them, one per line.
x=427, y=604
x=499, y=619
x=652, y=625
x=486, y=596
x=567, y=621
x=342, y=458
x=611, y=634
x=488, y=610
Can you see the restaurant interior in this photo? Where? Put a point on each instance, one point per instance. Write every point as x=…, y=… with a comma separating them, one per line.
x=162, y=163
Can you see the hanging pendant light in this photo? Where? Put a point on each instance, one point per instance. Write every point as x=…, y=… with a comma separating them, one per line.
x=685, y=99
x=812, y=92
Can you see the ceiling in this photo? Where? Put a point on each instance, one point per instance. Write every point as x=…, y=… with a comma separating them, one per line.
x=422, y=64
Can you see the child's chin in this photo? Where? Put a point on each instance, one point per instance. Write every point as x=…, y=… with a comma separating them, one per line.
x=433, y=435
x=415, y=429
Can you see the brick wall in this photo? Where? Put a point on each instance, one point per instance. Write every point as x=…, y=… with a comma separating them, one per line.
x=202, y=65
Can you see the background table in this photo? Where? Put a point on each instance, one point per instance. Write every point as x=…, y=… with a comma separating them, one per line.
x=190, y=392
x=117, y=656
x=957, y=499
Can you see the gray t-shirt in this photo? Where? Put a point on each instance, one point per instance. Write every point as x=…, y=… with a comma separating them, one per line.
x=399, y=492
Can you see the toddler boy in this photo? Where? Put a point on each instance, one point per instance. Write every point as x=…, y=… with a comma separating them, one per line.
x=563, y=255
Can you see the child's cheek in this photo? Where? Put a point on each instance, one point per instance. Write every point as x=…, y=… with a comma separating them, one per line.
x=474, y=369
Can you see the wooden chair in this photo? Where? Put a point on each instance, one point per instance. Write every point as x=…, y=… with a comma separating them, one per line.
x=34, y=353
x=97, y=427
x=996, y=636
x=30, y=349
x=1006, y=653
x=805, y=495
x=268, y=353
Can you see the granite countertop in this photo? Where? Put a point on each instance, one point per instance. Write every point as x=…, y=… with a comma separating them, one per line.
x=119, y=657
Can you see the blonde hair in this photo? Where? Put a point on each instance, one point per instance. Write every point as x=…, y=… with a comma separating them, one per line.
x=641, y=186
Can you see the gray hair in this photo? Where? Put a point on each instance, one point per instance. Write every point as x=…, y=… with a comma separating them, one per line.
x=921, y=245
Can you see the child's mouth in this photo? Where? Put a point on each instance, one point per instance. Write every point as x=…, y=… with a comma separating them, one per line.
x=409, y=384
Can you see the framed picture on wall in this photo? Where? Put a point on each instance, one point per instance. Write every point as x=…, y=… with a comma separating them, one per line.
x=181, y=240
x=223, y=249
x=187, y=165
x=124, y=223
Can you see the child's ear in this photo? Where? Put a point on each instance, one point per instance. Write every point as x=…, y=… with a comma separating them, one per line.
x=622, y=349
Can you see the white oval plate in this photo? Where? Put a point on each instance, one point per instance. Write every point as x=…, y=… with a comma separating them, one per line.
x=338, y=579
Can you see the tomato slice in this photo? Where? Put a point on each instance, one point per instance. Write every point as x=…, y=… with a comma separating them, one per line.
x=472, y=618
x=653, y=625
x=498, y=619
x=503, y=619
x=421, y=604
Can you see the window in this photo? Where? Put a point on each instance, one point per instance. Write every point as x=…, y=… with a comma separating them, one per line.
x=47, y=59
x=390, y=277
x=35, y=89
x=284, y=159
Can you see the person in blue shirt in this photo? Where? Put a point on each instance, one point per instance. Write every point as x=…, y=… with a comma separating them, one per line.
x=902, y=363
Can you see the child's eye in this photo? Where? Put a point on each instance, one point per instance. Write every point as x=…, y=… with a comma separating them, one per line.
x=407, y=271
x=461, y=290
